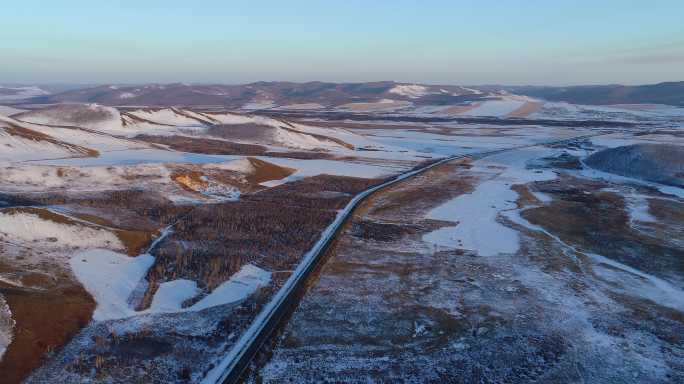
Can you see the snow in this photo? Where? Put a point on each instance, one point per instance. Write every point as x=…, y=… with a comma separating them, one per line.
x=9, y=111
x=20, y=148
x=638, y=208
x=297, y=140
x=476, y=213
x=235, y=118
x=241, y=165
x=126, y=95
x=222, y=367
x=94, y=140
x=29, y=177
x=167, y=116
x=497, y=108
x=29, y=227
x=473, y=91
x=591, y=173
x=378, y=106
x=636, y=204
x=640, y=283
x=15, y=148
x=23, y=93
x=171, y=295
x=138, y=156
x=308, y=168
x=259, y=105
x=542, y=197
x=410, y=90
x=302, y=106
x=110, y=277
x=345, y=135
x=109, y=118
x=240, y=286
x=6, y=326
x=220, y=191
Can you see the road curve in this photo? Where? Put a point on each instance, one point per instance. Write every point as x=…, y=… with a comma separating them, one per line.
x=231, y=367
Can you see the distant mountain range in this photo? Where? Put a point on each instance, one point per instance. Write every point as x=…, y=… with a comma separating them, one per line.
x=264, y=94
x=670, y=93
x=261, y=95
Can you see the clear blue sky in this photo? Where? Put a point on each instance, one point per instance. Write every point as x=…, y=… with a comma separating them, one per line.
x=451, y=42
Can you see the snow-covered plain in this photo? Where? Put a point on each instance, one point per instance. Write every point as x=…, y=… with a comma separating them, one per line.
x=477, y=213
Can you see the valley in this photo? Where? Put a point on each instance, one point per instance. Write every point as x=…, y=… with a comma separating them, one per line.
x=146, y=240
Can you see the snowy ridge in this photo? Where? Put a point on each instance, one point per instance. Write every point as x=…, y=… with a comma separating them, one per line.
x=412, y=91
x=20, y=142
x=169, y=116
x=20, y=93
x=93, y=116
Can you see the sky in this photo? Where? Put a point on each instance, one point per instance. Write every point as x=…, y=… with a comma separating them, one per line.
x=510, y=42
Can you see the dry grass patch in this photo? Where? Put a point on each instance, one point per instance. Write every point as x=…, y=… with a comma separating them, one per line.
x=46, y=319
x=526, y=109
x=265, y=171
x=204, y=146
x=460, y=109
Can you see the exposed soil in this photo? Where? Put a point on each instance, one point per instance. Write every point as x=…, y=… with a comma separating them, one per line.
x=206, y=146
x=265, y=171
x=46, y=318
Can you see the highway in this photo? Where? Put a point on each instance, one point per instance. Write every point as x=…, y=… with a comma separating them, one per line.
x=232, y=366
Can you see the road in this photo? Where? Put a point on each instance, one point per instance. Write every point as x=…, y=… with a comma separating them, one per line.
x=232, y=366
